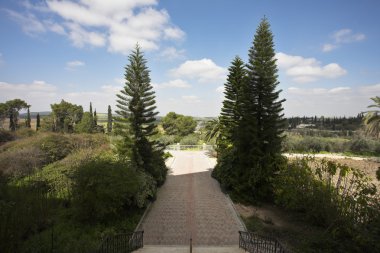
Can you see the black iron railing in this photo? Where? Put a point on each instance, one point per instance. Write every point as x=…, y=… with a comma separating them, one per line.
x=122, y=243
x=252, y=242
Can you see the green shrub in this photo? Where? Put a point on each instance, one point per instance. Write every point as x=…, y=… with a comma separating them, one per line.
x=56, y=147
x=339, y=198
x=103, y=188
x=191, y=139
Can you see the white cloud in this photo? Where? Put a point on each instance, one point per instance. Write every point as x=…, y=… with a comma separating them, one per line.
x=333, y=101
x=174, y=33
x=191, y=99
x=40, y=95
x=328, y=47
x=305, y=70
x=342, y=36
x=29, y=23
x=117, y=24
x=347, y=36
x=171, y=53
x=177, y=83
x=32, y=26
x=72, y=65
x=370, y=90
x=318, y=91
x=35, y=93
x=204, y=71
x=220, y=89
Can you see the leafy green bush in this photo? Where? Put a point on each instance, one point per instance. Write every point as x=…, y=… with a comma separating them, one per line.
x=191, y=139
x=103, y=188
x=56, y=147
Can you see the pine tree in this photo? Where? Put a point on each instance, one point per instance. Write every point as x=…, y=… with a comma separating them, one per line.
x=28, y=119
x=262, y=72
x=38, y=123
x=230, y=114
x=236, y=138
x=136, y=110
x=109, y=120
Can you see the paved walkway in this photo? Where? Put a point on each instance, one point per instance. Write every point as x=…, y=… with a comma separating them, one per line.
x=191, y=204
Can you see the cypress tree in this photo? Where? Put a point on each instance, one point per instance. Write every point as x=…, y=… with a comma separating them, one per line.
x=268, y=116
x=137, y=111
x=92, y=117
x=95, y=119
x=38, y=124
x=28, y=119
x=109, y=120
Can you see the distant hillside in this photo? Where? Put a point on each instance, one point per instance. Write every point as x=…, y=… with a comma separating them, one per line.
x=34, y=114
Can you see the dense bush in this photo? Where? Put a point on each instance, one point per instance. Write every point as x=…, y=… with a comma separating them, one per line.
x=103, y=188
x=334, y=196
x=191, y=139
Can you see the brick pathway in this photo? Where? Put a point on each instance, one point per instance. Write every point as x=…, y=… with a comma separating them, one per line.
x=191, y=204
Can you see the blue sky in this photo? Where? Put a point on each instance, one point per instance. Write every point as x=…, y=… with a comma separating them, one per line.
x=328, y=51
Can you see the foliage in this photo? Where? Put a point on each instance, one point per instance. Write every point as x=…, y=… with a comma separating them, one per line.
x=28, y=119
x=357, y=145
x=24, y=210
x=372, y=119
x=38, y=122
x=232, y=105
x=86, y=125
x=136, y=110
x=211, y=130
x=12, y=109
x=178, y=124
x=65, y=116
x=334, y=196
x=251, y=123
x=191, y=139
x=23, y=156
x=109, y=120
x=103, y=188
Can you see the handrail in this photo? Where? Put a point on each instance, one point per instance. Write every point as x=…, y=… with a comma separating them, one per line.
x=123, y=243
x=253, y=242
x=190, y=147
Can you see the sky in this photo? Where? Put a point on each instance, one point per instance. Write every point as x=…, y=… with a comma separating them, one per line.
x=327, y=51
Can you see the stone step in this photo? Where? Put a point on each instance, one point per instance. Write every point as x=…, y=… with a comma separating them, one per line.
x=186, y=249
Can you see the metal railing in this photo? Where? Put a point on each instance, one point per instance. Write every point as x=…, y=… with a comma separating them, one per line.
x=122, y=243
x=190, y=147
x=252, y=242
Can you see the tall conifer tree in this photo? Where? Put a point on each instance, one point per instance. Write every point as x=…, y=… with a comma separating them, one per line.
x=109, y=120
x=268, y=116
x=95, y=119
x=28, y=119
x=137, y=111
x=38, y=123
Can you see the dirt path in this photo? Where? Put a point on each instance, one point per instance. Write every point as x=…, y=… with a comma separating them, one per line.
x=191, y=204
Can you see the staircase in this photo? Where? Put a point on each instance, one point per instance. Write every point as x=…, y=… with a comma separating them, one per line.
x=186, y=249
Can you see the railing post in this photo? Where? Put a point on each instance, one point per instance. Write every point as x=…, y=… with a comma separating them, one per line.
x=191, y=245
